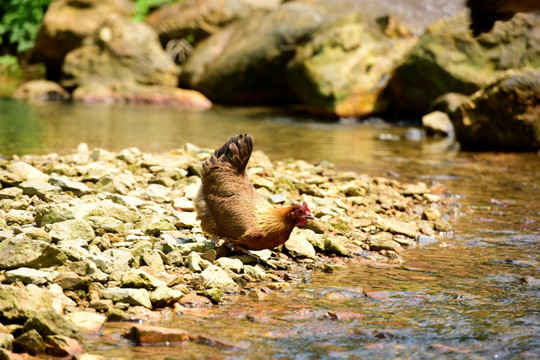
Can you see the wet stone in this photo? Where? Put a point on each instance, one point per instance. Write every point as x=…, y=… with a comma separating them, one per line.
x=424, y=240
x=163, y=296
x=156, y=335
x=194, y=300
x=62, y=346
x=87, y=322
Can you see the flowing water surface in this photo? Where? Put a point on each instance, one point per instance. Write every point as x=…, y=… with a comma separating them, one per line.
x=474, y=295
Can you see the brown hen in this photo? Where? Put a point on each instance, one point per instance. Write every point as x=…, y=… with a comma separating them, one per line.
x=229, y=207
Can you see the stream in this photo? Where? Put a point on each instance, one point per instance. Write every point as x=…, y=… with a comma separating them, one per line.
x=473, y=295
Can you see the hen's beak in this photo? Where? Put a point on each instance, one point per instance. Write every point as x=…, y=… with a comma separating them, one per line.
x=310, y=217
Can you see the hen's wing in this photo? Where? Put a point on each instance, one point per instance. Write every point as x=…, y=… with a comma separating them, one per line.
x=226, y=191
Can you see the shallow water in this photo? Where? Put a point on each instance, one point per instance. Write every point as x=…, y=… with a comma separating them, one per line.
x=462, y=298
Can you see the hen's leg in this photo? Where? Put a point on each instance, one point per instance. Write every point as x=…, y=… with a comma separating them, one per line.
x=244, y=251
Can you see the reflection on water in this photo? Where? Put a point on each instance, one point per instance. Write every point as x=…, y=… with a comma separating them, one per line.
x=466, y=299
x=43, y=127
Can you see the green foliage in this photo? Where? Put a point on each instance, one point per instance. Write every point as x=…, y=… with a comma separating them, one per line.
x=19, y=23
x=143, y=7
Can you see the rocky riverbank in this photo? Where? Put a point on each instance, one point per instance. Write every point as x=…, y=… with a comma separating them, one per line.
x=94, y=236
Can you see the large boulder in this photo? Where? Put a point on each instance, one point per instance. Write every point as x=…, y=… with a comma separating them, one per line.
x=344, y=69
x=448, y=59
x=505, y=115
x=123, y=61
x=67, y=22
x=197, y=19
x=245, y=62
x=122, y=51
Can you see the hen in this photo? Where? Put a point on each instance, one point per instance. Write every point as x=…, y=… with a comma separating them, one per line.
x=229, y=207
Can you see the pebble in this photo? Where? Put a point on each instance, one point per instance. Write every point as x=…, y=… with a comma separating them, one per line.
x=122, y=227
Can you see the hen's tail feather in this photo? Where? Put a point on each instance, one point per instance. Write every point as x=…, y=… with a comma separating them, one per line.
x=236, y=151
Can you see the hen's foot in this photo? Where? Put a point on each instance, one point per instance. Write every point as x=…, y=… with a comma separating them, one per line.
x=244, y=251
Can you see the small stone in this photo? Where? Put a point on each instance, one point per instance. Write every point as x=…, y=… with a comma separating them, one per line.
x=431, y=214
x=156, y=224
x=77, y=188
x=136, y=278
x=133, y=297
x=164, y=296
x=424, y=240
x=184, y=204
x=438, y=123
x=255, y=272
x=344, y=315
x=104, y=224
x=155, y=335
x=278, y=198
x=49, y=322
x=20, y=217
x=87, y=322
x=10, y=193
x=109, y=184
x=397, y=227
x=27, y=172
x=186, y=220
x=37, y=234
x=15, y=253
x=6, y=340
x=383, y=241
x=193, y=261
x=412, y=189
x=102, y=305
x=30, y=276
x=215, y=277
x=215, y=295
x=234, y=265
x=194, y=300
x=157, y=193
x=263, y=182
x=432, y=198
x=299, y=247
x=62, y=346
x=71, y=230
x=42, y=190
x=30, y=342
x=53, y=213
x=336, y=245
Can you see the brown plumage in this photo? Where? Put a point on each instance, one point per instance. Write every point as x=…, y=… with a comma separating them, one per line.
x=484, y=13
x=229, y=207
